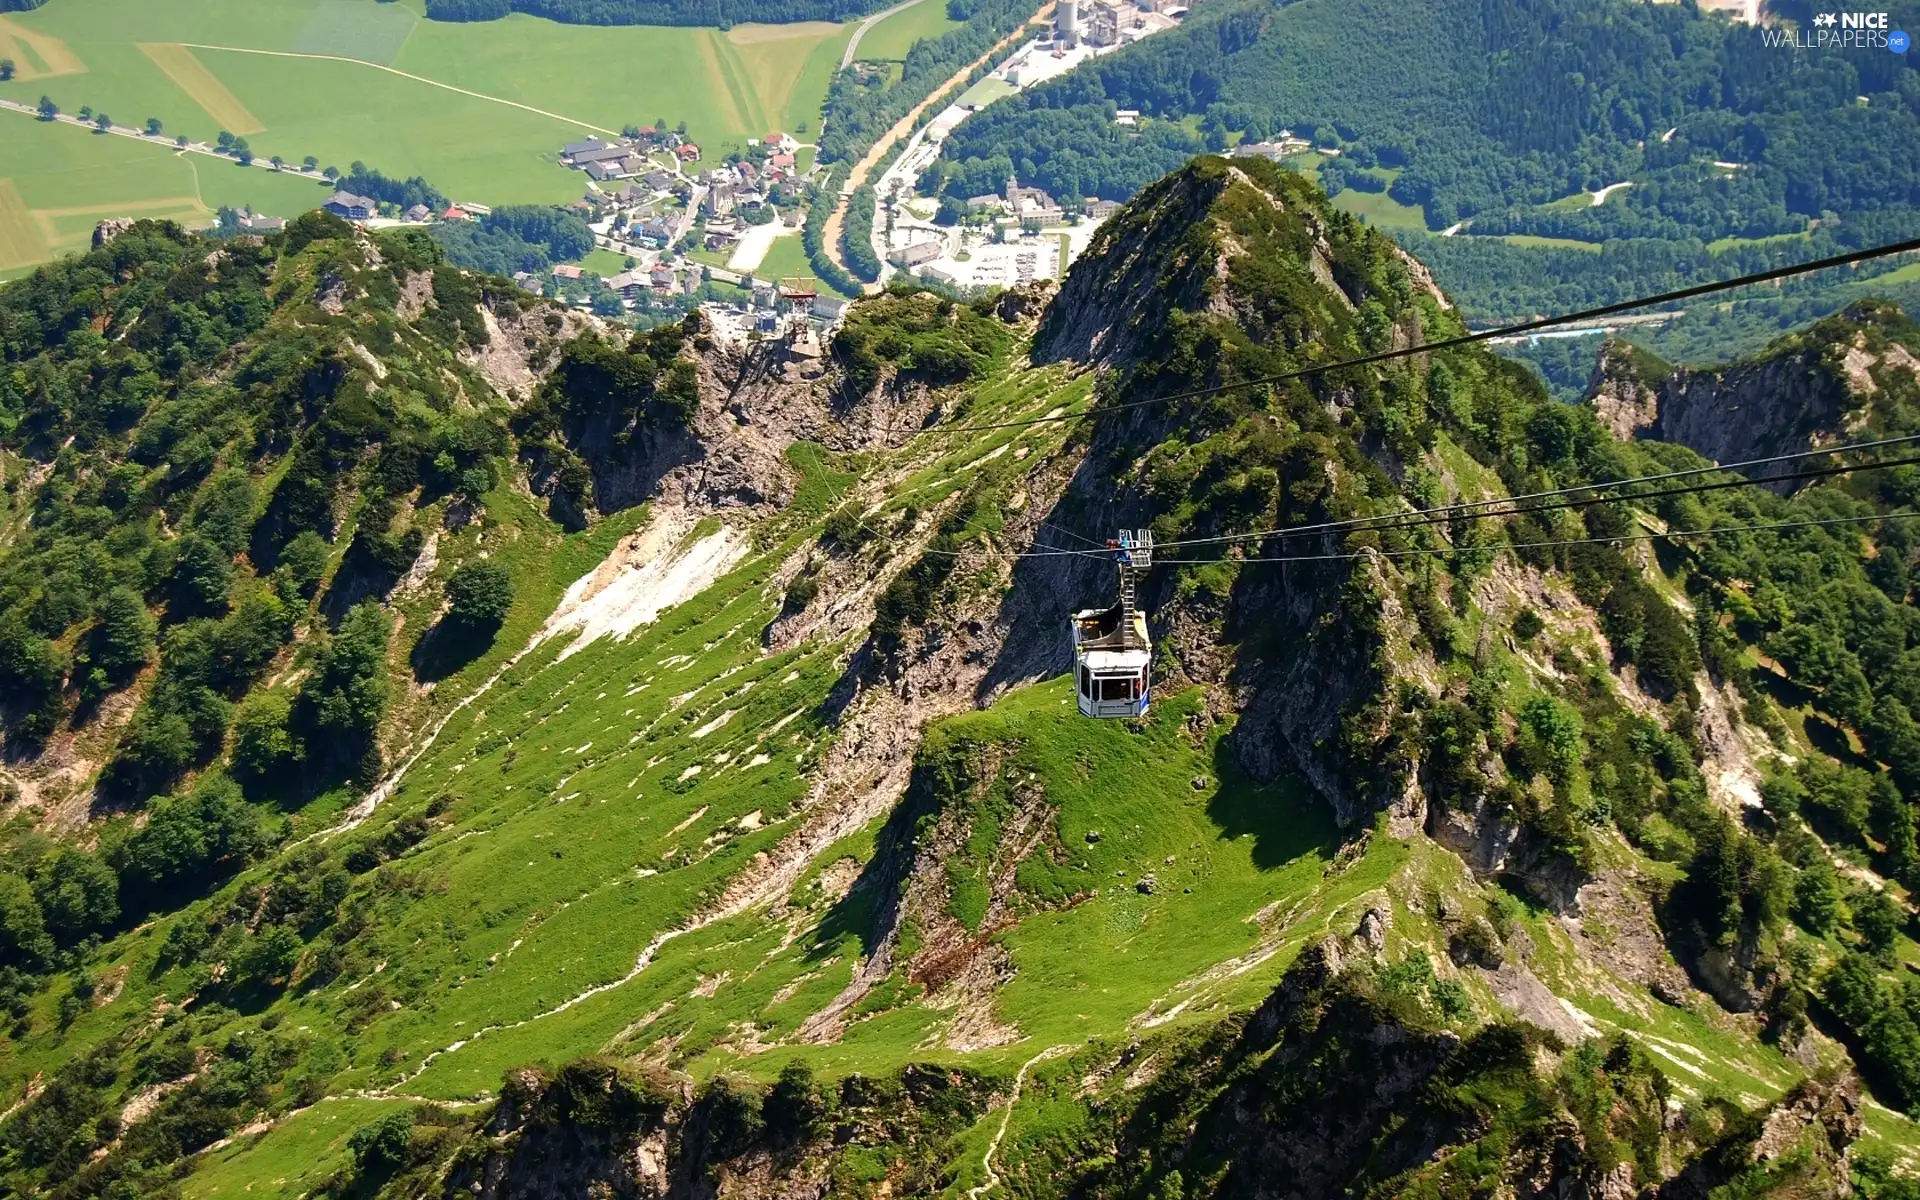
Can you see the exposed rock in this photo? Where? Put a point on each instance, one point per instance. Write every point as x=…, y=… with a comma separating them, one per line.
x=1734, y=975
x=1807, y=390
x=416, y=293
x=1804, y=1135
x=523, y=343
x=330, y=293
x=109, y=229
x=1492, y=842
x=1372, y=933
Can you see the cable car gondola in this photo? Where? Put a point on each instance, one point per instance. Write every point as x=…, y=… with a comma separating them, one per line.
x=1111, y=651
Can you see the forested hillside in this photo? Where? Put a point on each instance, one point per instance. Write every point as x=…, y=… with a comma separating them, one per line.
x=746, y=840
x=1506, y=115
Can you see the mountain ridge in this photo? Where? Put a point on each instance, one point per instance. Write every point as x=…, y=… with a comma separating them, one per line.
x=799, y=854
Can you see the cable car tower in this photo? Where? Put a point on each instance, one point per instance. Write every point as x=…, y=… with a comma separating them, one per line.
x=1111, y=650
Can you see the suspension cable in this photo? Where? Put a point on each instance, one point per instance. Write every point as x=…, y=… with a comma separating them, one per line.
x=1606, y=310
x=1591, y=541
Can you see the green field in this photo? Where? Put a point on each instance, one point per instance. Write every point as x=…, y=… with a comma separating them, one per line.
x=787, y=259
x=1552, y=243
x=1382, y=210
x=1376, y=208
x=892, y=38
x=347, y=80
x=289, y=1159
x=604, y=262
x=57, y=182
x=1728, y=243
x=987, y=91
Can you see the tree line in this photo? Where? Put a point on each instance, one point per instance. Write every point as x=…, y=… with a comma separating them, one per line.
x=515, y=238
x=721, y=13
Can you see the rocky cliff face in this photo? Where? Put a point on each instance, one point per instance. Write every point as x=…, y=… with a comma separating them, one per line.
x=1828, y=384
x=599, y=1128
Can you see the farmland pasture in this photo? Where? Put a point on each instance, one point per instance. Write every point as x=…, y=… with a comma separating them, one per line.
x=60, y=181
x=479, y=109
x=892, y=38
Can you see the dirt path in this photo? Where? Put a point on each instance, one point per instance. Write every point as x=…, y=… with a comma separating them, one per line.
x=1006, y=1115
x=408, y=75
x=830, y=235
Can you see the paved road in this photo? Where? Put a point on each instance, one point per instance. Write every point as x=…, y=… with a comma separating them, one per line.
x=846, y=59
x=162, y=141
x=830, y=234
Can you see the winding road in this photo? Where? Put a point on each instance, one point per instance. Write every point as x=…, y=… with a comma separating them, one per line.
x=830, y=235
x=846, y=59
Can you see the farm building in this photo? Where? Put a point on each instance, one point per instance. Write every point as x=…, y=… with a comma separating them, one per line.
x=630, y=283
x=351, y=207
x=578, y=152
x=253, y=222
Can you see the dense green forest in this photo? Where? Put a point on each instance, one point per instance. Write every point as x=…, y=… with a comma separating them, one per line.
x=515, y=238
x=1501, y=114
x=1499, y=280
x=363, y=180
x=216, y=489
x=1486, y=106
x=721, y=13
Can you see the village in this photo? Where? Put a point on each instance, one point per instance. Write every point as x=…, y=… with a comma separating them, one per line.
x=687, y=233
x=691, y=232
x=1021, y=233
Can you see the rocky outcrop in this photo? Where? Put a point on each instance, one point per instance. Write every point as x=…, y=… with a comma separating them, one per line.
x=1491, y=842
x=1624, y=389
x=1807, y=390
x=109, y=229
x=600, y=1128
x=523, y=343
x=1797, y=1147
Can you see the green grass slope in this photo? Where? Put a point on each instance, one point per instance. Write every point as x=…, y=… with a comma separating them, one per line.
x=753, y=823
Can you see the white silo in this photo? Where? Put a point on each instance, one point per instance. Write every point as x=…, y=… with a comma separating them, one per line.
x=1066, y=24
